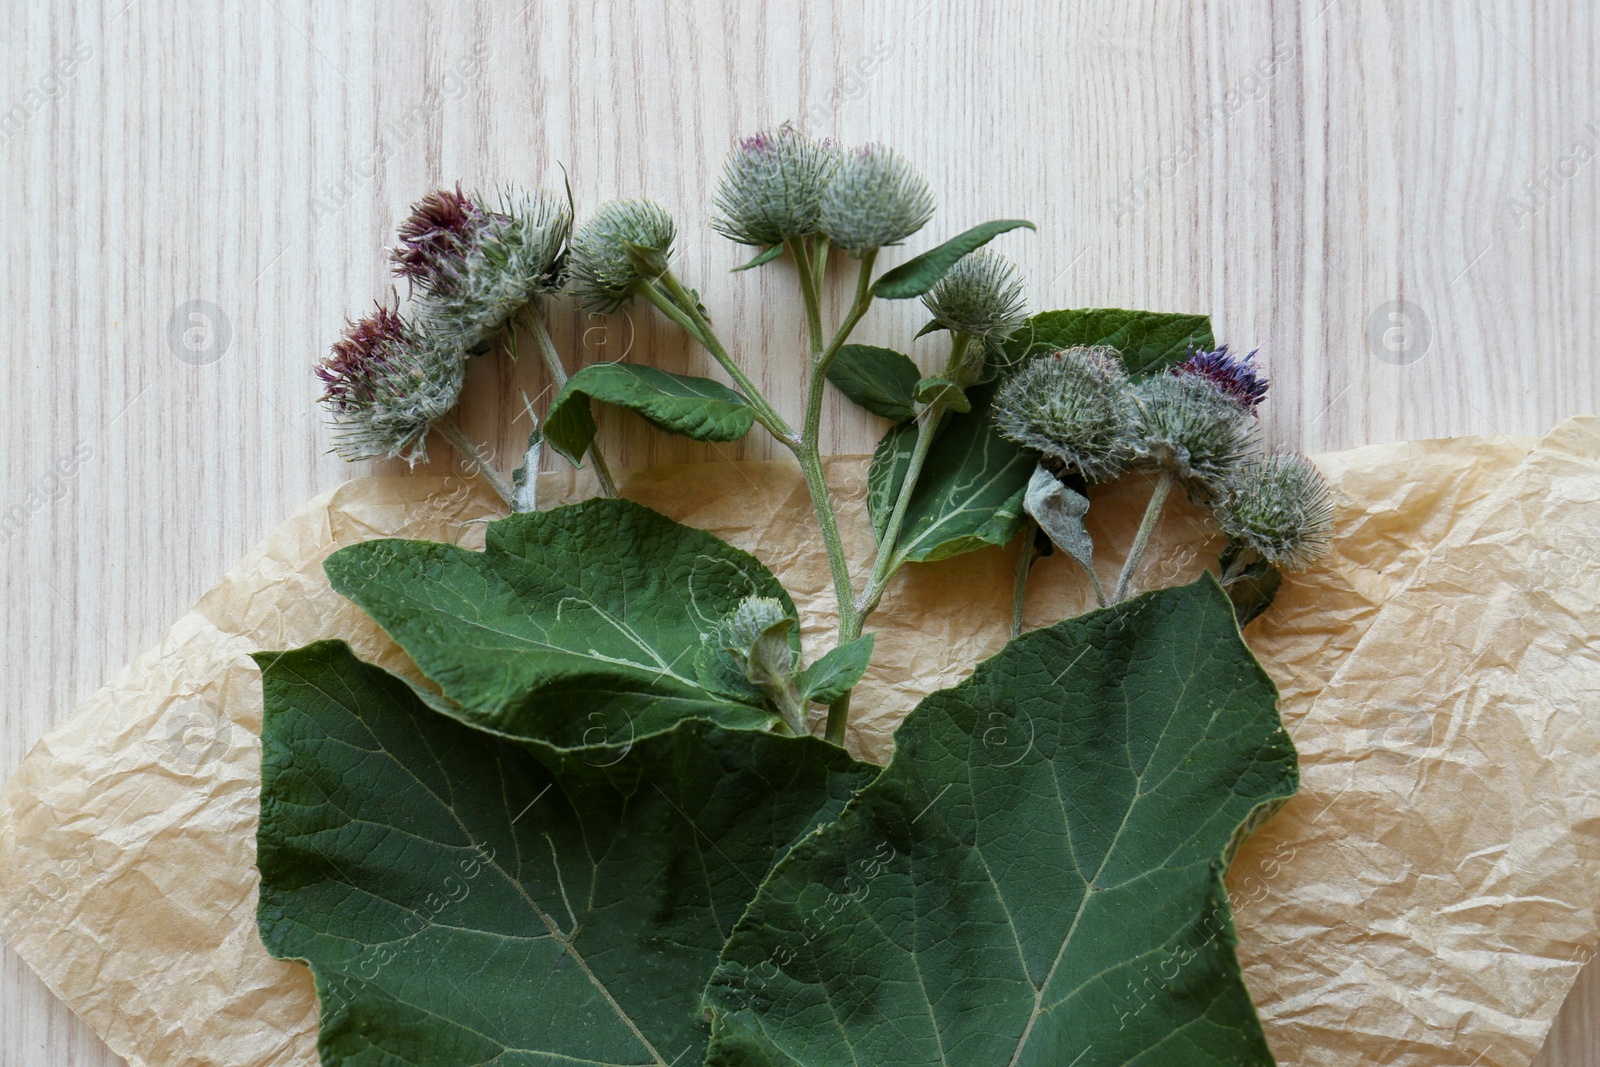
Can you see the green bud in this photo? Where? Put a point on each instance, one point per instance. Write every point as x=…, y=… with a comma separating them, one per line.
x=604, y=267
x=873, y=198
x=981, y=297
x=771, y=188
x=1190, y=427
x=1280, y=506
x=749, y=656
x=1075, y=407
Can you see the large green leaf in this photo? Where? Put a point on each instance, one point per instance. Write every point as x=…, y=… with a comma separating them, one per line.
x=464, y=898
x=1036, y=878
x=970, y=492
x=916, y=276
x=575, y=625
x=678, y=403
x=879, y=379
x=1147, y=340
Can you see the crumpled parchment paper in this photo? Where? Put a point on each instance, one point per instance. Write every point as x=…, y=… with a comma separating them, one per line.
x=1427, y=899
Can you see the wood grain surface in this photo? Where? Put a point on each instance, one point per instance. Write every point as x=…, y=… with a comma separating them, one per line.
x=1397, y=201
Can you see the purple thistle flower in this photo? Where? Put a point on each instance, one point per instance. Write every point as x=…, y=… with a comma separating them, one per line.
x=1236, y=376
x=435, y=239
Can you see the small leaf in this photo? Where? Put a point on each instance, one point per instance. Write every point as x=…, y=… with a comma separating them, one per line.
x=1148, y=341
x=467, y=898
x=1036, y=878
x=678, y=403
x=932, y=327
x=940, y=391
x=1059, y=511
x=572, y=624
x=765, y=256
x=879, y=379
x=837, y=672
x=916, y=276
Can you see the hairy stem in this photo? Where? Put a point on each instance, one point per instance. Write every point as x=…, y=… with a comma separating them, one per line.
x=1025, y=561
x=766, y=414
x=558, y=375
x=1152, y=513
x=470, y=452
x=888, y=560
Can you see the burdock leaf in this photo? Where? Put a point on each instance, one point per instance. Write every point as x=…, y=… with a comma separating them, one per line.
x=576, y=625
x=1148, y=341
x=766, y=255
x=916, y=276
x=1036, y=878
x=879, y=379
x=970, y=492
x=837, y=671
x=678, y=403
x=466, y=898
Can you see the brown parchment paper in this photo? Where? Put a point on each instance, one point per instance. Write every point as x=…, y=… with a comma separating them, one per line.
x=1426, y=900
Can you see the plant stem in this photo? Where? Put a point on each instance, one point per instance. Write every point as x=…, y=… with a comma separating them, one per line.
x=558, y=375
x=838, y=720
x=1147, y=525
x=679, y=307
x=810, y=291
x=888, y=561
x=1025, y=561
x=469, y=451
x=858, y=308
x=681, y=298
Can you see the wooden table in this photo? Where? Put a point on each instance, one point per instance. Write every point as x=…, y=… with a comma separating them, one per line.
x=1390, y=199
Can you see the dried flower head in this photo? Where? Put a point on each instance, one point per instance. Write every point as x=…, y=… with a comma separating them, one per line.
x=981, y=297
x=602, y=269
x=771, y=187
x=385, y=383
x=1279, y=506
x=1075, y=406
x=476, y=265
x=1236, y=376
x=1187, y=425
x=873, y=198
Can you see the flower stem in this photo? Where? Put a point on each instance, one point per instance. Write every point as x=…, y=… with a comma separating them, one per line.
x=558, y=375
x=1025, y=561
x=470, y=452
x=1152, y=513
x=888, y=560
x=682, y=300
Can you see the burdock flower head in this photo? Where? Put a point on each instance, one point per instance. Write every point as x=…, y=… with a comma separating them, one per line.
x=771, y=188
x=475, y=263
x=1237, y=376
x=1075, y=407
x=1189, y=427
x=607, y=249
x=385, y=382
x=873, y=198
x=980, y=301
x=1279, y=506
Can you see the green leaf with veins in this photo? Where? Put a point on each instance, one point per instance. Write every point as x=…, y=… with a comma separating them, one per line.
x=916, y=276
x=837, y=671
x=466, y=898
x=879, y=379
x=574, y=625
x=678, y=403
x=1036, y=878
x=1148, y=341
x=970, y=492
